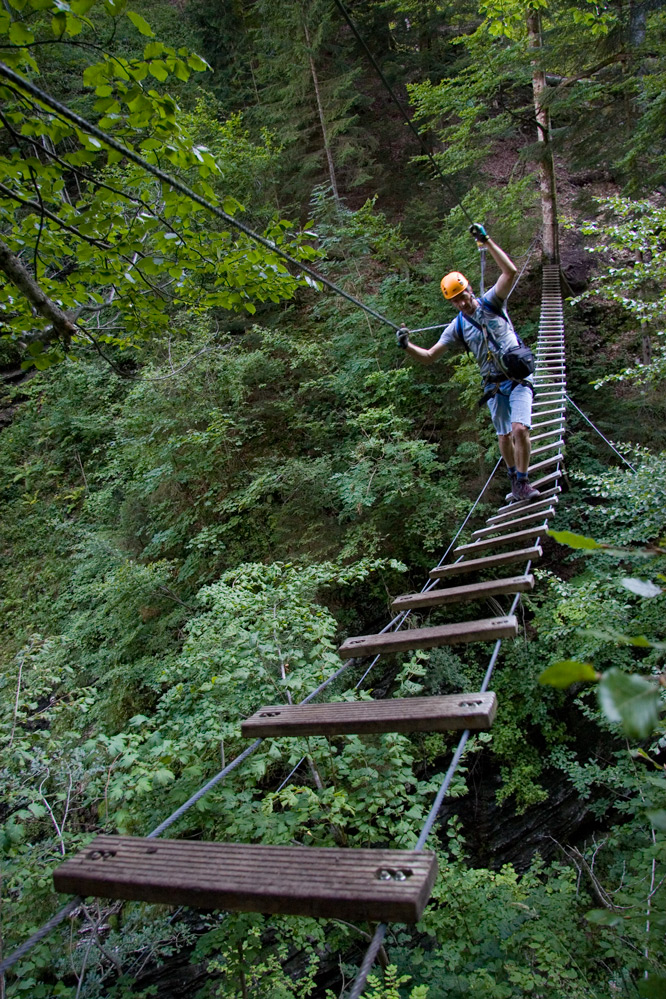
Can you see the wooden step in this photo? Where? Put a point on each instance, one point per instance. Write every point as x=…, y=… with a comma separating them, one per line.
x=323, y=882
x=504, y=539
x=534, y=506
x=546, y=447
x=551, y=412
x=545, y=494
x=485, y=630
x=449, y=713
x=458, y=594
x=489, y=562
x=486, y=531
x=548, y=423
x=547, y=433
x=553, y=460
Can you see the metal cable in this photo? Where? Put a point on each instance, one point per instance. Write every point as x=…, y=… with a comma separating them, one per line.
x=569, y=399
x=341, y=7
x=177, y=185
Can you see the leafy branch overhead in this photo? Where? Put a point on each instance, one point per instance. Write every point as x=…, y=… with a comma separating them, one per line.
x=105, y=254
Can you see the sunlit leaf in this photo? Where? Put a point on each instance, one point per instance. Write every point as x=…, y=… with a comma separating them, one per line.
x=574, y=540
x=562, y=674
x=630, y=700
x=140, y=23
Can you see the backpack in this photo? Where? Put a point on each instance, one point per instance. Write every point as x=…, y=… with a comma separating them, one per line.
x=515, y=362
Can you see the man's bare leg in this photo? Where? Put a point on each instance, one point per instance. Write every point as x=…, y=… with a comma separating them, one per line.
x=505, y=442
x=521, y=447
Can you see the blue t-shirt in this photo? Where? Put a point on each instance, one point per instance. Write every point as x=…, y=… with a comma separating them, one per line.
x=473, y=339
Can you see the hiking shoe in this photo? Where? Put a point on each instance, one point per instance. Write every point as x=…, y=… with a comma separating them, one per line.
x=522, y=490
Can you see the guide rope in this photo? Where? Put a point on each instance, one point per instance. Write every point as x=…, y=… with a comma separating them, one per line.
x=177, y=185
x=611, y=446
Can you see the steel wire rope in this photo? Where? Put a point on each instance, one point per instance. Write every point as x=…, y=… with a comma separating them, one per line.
x=341, y=7
x=611, y=446
x=177, y=185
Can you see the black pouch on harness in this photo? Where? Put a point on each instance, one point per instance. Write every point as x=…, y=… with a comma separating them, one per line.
x=517, y=362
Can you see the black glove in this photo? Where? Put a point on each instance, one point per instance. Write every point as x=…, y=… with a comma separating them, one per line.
x=479, y=233
x=402, y=337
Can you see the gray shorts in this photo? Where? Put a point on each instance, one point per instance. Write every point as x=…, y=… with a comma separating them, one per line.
x=510, y=407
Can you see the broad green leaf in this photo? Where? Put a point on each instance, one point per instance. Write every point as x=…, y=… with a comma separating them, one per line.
x=19, y=34
x=642, y=587
x=657, y=819
x=140, y=23
x=196, y=63
x=604, y=917
x=630, y=700
x=562, y=674
x=574, y=540
x=158, y=69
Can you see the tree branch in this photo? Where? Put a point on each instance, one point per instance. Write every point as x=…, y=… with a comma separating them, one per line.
x=62, y=325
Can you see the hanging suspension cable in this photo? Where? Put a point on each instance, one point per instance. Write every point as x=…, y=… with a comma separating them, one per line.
x=611, y=446
x=177, y=185
x=343, y=10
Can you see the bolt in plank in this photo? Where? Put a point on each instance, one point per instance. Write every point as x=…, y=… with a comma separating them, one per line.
x=485, y=630
x=322, y=882
x=449, y=713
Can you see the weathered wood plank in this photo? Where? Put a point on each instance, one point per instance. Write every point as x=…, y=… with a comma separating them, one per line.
x=489, y=562
x=460, y=632
x=513, y=510
x=458, y=594
x=545, y=463
x=449, y=713
x=323, y=882
x=516, y=538
x=543, y=514
x=514, y=507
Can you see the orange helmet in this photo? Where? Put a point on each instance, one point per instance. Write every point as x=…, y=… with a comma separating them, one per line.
x=452, y=284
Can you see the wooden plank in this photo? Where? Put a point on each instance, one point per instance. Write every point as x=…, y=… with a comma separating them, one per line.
x=504, y=539
x=536, y=505
x=545, y=463
x=548, y=423
x=449, y=713
x=484, y=531
x=324, y=882
x=547, y=433
x=549, y=412
x=458, y=594
x=485, y=630
x=558, y=442
x=489, y=562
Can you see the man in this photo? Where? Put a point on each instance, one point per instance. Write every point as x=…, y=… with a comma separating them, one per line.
x=483, y=328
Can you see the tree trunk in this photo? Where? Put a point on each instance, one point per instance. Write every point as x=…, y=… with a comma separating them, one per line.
x=550, y=246
x=322, y=120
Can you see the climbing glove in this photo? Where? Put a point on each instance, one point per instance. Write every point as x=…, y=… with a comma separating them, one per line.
x=479, y=233
x=402, y=337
